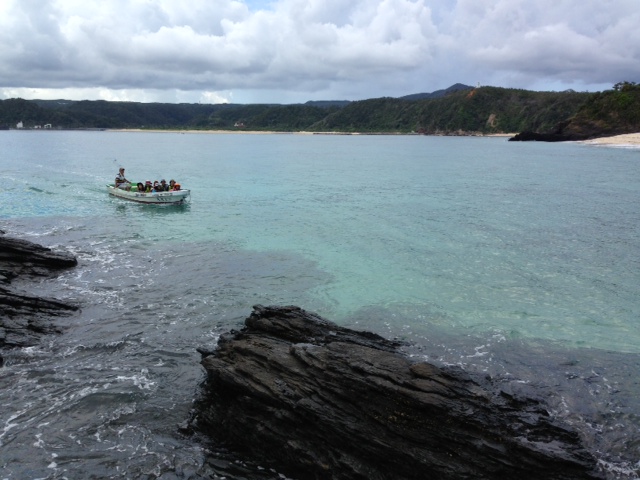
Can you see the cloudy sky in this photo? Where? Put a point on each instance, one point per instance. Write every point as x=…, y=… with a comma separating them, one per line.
x=290, y=51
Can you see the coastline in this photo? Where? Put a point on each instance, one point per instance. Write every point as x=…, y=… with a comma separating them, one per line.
x=248, y=132
x=298, y=132
x=158, y=130
x=625, y=140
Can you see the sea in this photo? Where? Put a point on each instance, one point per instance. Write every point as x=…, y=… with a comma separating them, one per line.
x=520, y=261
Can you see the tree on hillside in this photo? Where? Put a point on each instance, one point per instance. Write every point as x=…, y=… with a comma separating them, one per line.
x=626, y=86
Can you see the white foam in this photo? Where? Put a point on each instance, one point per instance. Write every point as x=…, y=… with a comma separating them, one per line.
x=39, y=443
x=624, y=470
x=140, y=381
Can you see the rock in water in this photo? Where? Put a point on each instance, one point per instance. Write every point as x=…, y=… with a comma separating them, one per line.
x=23, y=317
x=19, y=257
x=326, y=402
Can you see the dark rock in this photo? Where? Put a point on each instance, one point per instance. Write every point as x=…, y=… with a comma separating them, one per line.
x=21, y=257
x=25, y=318
x=326, y=402
x=541, y=137
x=558, y=134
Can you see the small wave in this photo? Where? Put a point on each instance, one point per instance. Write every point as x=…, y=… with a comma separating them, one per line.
x=18, y=356
x=623, y=146
x=141, y=381
x=105, y=347
x=10, y=424
x=478, y=352
x=47, y=232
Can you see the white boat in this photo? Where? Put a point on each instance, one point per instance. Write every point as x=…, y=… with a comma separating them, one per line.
x=153, y=198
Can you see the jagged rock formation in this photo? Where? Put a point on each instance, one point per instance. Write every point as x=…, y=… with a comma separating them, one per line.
x=23, y=317
x=326, y=402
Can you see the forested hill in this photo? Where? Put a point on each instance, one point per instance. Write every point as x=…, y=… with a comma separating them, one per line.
x=457, y=110
x=611, y=112
x=475, y=110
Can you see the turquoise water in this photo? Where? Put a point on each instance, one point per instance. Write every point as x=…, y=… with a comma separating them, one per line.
x=517, y=259
x=534, y=240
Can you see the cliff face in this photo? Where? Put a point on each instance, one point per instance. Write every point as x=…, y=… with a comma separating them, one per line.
x=325, y=402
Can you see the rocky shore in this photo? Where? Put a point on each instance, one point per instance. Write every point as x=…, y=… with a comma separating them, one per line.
x=24, y=318
x=324, y=402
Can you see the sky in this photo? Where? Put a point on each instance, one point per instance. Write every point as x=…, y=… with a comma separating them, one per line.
x=293, y=51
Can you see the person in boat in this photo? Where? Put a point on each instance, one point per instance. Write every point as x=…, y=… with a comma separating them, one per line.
x=157, y=187
x=141, y=187
x=121, y=181
x=147, y=186
x=173, y=185
x=164, y=186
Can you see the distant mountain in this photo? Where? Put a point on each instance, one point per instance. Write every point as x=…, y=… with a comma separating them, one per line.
x=416, y=96
x=438, y=93
x=327, y=103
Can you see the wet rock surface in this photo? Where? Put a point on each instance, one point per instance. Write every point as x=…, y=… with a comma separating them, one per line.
x=24, y=318
x=324, y=402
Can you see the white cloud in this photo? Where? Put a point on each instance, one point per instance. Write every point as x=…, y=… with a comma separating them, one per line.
x=588, y=42
x=296, y=50
x=146, y=95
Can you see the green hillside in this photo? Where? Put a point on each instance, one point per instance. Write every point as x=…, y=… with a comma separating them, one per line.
x=482, y=110
x=612, y=112
x=102, y=114
x=459, y=110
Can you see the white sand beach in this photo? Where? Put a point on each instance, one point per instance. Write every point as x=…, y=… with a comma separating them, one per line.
x=626, y=140
x=153, y=130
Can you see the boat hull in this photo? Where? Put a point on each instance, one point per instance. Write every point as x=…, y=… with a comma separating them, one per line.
x=152, y=198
